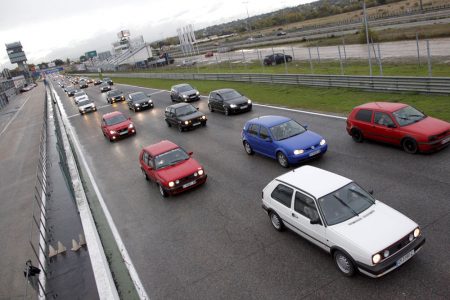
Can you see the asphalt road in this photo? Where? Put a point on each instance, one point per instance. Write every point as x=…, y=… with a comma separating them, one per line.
x=216, y=242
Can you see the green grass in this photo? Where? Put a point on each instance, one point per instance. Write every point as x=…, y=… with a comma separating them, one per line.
x=333, y=100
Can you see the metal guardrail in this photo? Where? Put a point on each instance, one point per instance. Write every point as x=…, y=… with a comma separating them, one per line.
x=431, y=85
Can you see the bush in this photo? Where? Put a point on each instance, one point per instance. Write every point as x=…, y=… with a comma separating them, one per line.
x=373, y=36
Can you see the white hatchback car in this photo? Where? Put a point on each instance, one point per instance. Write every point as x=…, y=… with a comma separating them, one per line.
x=333, y=212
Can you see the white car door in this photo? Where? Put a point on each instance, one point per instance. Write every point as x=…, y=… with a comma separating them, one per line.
x=303, y=211
x=281, y=201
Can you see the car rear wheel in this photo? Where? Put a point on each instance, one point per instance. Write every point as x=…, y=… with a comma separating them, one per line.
x=227, y=111
x=410, y=145
x=357, y=135
x=168, y=124
x=145, y=175
x=282, y=160
x=162, y=191
x=276, y=221
x=344, y=263
x=248, y=148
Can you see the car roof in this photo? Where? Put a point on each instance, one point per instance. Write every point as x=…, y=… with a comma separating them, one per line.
x=178, y=105
x=223, y=91
x=269, y=121
x=386, y=106
x=112, y=114
x=314, y=181
x=161, y=147
x=181, y=85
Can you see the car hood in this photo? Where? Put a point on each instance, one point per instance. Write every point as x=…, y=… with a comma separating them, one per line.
x=376, y=228
x=428, y=126
x=117, y=96
x=118, y=126
x=239, y=100
x=188, y=93
x=141, y=101
x=301, y=141
x=194, y=115
x=180, y=170
x=91, y=104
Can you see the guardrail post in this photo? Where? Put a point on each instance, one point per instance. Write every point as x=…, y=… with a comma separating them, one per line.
x=429, y=59
x=340, y=60
x=418, y=51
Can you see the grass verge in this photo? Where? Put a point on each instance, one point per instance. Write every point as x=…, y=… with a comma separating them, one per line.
x=333, y=100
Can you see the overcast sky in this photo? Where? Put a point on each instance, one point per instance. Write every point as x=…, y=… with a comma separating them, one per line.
x=52, y=29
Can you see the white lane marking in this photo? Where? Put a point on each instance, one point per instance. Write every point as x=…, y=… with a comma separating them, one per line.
x=15, y=115
x=270, y=106
x=123, y=251
x=161, y=91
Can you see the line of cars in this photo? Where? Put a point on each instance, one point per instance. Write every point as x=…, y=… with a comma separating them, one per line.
x=360, y=232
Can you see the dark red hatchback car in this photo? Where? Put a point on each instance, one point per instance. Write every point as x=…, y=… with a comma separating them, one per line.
x=172, y=168
x=398, y=124
x=115, y=125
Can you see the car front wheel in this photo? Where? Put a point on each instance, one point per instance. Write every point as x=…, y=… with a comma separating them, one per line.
x=227, y=111
x=357, y=135
x=162, y=191
x=282, y=160
x=409, y=145
x=210, y=108
x=276, y=221
x=344, y=263
x=248, y=148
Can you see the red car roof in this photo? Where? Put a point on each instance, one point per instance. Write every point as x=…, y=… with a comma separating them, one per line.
x=112, y=114
x=386, y=106
x=161, y=147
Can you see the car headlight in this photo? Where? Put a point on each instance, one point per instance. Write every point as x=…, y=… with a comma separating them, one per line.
x=150, y=101
x=171, y=184
x=197, y=93
x=177, y=181
x=130, y=126
x=233, y=105
x=249, y=101
x=203, y=117
x=416, y=232
x=322, y=142
x=376, y=258
x=112, y=132
x=200, y=172
x=299, y=151
x=185, y=96
x=386, y=253
x=137, y=104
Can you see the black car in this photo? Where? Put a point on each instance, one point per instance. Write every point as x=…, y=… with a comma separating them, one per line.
x=83, y=84
x=97, y=82
x=228, y=101
x=277, y=58
x=139, y=101
x=114, y=96
x=71, y=91
x=108, y=80
x=104, y=87
x=184, y=93
x=184, y=115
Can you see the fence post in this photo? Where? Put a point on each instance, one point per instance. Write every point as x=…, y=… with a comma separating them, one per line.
x=318, y=53
x=293, y=54
x=310, y=61
x=379, y=59
x=345, y=51
x=243, y=59
x=340, y=60
x=285, y=64
x=429, y=59
x=418, y=51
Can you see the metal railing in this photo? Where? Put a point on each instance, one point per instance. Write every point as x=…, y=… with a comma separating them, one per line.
x=430, y=85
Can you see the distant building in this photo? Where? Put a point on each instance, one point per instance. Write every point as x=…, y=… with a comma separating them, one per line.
x=104, y=55
x=17, y=56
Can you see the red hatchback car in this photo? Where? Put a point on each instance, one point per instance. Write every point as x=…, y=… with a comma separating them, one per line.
x=115, y=125
x=172, y=168
x=398, y=124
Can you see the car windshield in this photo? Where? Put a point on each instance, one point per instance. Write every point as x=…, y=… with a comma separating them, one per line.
x=286, y=130
x=138, y=96
x=230, y=95
x=185, y=110
x=345, y=203
x=408, y=115
x=184, y=88
x=80, y=94
x=170, y=158
x=115, y=120
x=84, y=102
x=107, y=79
x=115, y=93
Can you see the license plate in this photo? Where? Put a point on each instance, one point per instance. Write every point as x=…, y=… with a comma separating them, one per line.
x=244, y=106
x=123, y=132
x=402, y=260
x=144, y=105
x=314, y=153
x=196, y=124
x=189, y=184
x=445, y=141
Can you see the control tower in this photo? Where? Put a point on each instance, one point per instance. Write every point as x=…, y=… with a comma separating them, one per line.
x=16, y=55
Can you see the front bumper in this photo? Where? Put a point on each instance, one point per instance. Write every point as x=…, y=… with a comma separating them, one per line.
x=435, y=145
x=142, y=107
x=117, y=99
x=390, y=263
x=240, y=109
x=179, y=189
x=87, y=109
x=194, y=124
x=119, y=135
x=308, y=154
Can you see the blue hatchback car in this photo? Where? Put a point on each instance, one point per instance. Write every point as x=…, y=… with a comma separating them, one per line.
x=283, y=139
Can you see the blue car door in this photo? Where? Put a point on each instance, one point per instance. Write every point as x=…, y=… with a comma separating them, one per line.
x=266, y=143
x=252, y=136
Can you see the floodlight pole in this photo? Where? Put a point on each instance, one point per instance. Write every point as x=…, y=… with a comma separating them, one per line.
x=367, y=37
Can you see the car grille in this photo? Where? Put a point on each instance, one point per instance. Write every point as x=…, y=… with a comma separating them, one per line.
x=122, y=130
x=313, y=147
x=193, y=96
x=187, y=179
x=443, y=134
x=398, y=245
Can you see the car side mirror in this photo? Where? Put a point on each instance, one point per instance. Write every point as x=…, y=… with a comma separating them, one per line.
x=198, y=108
x=391, y=126
x=315, y=221
x=371, y=192
x=268, y=139
x=306, y=126
x=129, y=119
x=190, y=153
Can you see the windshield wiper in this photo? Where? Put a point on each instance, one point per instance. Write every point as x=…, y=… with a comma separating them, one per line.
x=346, y=205
x=362, y=195
x=176, y=161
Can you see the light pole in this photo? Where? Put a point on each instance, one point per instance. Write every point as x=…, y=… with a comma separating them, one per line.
x=367, y=37
x=249, y=27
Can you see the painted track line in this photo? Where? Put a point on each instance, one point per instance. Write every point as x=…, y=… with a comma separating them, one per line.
x=263, y=105
x=140, y=290
x=15, y=115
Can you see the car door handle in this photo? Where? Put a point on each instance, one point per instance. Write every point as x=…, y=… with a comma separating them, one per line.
x=294, y=215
